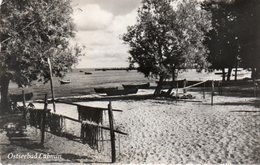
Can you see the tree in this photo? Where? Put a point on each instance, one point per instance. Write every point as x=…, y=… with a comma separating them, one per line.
x=223, y=41
x=32, y=31
x=249, y=35
x=168, y=37
x=235, y=38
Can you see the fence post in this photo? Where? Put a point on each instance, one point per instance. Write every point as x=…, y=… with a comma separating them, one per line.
x=212, y=92
x=218, y=87
x=23, y=99
x=184, y=86
x=112, y=133
x=255, y=89
x=177, y=92
x=204, y=90
x=44, y=119
x=221, y=87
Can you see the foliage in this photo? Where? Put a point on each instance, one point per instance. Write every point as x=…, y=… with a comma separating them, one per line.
x=234, y=40
x=168, y=36
x=223, y=40
x=31, y=31
x=249, y=35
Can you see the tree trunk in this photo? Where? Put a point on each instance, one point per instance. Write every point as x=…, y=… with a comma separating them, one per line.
x=159, y=86
x=173, y=79
x=229, y=74
x=223, y=74
x=5, y=102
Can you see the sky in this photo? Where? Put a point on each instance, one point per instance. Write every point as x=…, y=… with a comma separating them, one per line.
x=100, y=23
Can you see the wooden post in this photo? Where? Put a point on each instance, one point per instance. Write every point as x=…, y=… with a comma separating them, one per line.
x=204, y=90
x=112, y=133
x=184, y=86
x=52, y=91
x=177, y=94
x=23, y=100
x=255, y=89
x=24, y=109
x=221, y=87
x=212, y=92
x=44, y=119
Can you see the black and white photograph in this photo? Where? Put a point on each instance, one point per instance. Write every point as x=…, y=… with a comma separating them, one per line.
x=129, y=82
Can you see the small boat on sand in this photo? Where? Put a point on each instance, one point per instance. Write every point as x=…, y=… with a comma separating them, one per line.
x=103, y=90
x=62, y=82
x=220, y=73
x=88, y=73
x=121, y=92
x=139, y=86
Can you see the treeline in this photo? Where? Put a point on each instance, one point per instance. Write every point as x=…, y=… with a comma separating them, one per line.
x=234, y=40
x=170, y=36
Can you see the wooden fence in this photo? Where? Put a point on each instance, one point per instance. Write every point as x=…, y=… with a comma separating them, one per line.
x=90, y=119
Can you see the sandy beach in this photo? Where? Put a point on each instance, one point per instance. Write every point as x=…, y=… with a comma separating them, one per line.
x=166, y=131
x=184, y=132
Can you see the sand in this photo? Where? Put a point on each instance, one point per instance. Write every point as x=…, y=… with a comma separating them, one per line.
x=169, y=132
x=166, y=131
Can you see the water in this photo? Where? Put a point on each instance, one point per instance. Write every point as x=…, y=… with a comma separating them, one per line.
x=82, y=84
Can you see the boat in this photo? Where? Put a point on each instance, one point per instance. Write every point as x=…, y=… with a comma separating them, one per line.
x=239, y=74
x=62, y=82
x=88, y=73
x=81, y=71
x=139, y=86
x=103, y=90
x=19, y=97
x=220, y=73
x=117, y=92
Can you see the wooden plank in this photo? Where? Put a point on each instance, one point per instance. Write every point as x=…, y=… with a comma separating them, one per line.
x=102, y=127
x=98, y=108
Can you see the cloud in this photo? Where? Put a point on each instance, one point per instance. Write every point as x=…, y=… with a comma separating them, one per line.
x=91, y=17
x=120, y=22
x=117, y=7
x=104, y=48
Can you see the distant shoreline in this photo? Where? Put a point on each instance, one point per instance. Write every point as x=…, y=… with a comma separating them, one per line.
x=105, y=69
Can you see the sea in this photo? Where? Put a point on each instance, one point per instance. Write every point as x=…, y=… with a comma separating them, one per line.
x=84, y=84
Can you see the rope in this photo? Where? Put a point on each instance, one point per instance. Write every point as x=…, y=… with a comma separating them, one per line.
x=195, y=84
